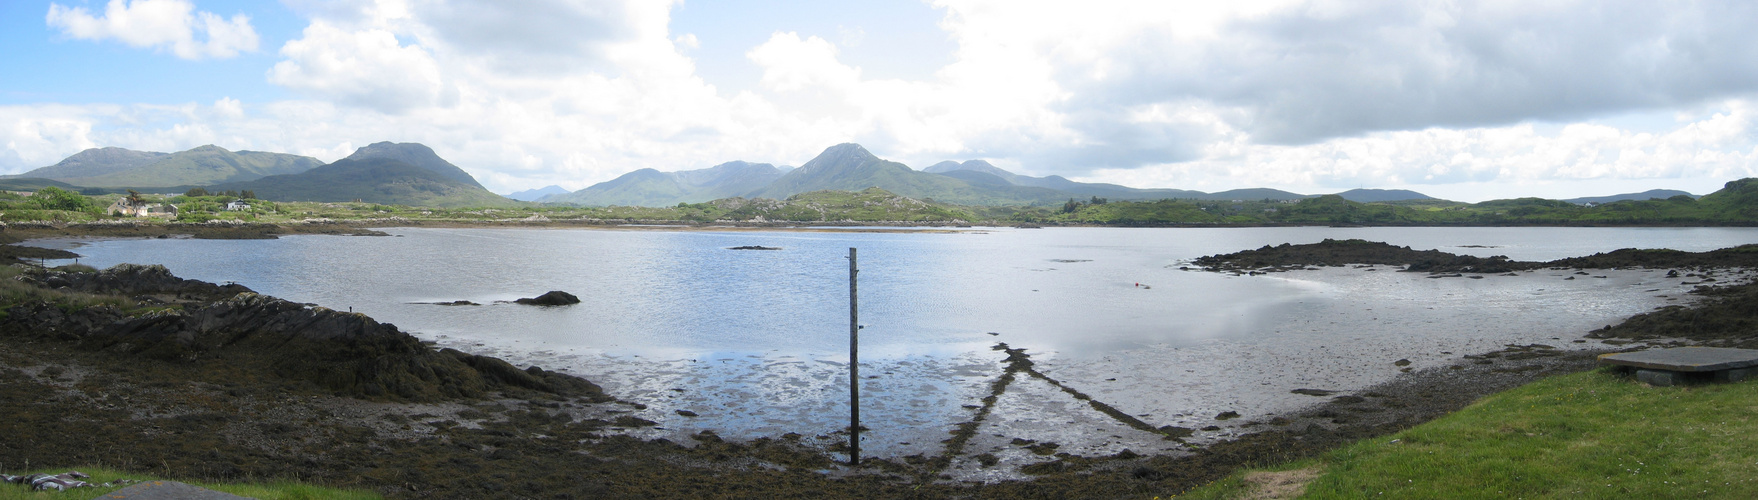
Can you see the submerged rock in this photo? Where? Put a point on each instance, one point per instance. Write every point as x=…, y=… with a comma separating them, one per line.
x=552, y=298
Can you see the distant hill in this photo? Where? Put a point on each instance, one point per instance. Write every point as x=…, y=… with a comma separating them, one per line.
x=1376, y=195
x=850, y=167
x=1251, y=194
x=385, y=180
x=535, y=194
x=651, y=188
x=1652, y=194
x=202, y=166
x=414, y=154
x=374, y=180
x=1072, y=189
x=33, y=184
x=96, y=162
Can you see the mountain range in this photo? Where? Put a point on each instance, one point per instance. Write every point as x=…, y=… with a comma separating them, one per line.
x=535, y=194
x=206, y=165
x=850, y=167
x=384, y=172
x=413, y=174
x=651, y=188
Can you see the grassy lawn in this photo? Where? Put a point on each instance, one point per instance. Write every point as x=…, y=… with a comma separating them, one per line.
x=263, y=491
x=1596, y=434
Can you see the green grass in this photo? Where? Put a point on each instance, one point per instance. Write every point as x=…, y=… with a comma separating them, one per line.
x=1593, y=435
x=278, y=490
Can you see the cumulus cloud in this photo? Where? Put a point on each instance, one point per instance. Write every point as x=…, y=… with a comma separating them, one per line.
x=1310, y=71
x=1712, y=149
x=368, y=68
x=530, y=36
x=173, y=24
x=1203, y=95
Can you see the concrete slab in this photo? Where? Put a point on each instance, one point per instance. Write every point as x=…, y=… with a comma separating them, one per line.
x=167, y=490
x=1660, y=378
x=1686, y=359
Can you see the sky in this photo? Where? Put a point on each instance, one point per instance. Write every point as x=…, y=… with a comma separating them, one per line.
x=1459, y=99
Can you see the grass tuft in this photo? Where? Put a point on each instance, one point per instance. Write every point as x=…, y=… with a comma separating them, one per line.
x=277, y=490
x=1595, y=434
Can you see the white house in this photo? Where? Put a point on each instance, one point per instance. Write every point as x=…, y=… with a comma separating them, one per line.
x=237, y=205
x=131, y=208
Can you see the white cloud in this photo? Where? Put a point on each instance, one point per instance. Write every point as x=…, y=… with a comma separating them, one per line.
x=367, y=68
x=173, y=24
x=1702, y=153
x=1301, y=95
x=229, y=107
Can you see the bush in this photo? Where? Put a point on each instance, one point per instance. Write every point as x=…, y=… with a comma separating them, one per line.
x=54, y=198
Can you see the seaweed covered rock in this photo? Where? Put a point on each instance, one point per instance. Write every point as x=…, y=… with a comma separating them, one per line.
x=1727, y=317
x=131, y=280
x=552, y=298
x=1340, y=252
x=1740, y=256
x=342, y=352
x=1354, y=251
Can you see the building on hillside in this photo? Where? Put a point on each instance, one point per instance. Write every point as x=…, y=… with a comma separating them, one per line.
x=131, y=208
x=237, y=205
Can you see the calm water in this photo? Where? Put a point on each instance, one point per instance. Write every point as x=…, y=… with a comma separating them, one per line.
x=754, y=340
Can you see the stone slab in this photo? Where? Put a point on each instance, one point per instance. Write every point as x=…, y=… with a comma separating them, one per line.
x=1686, y=359
x=167, y=490
x=1659, y=378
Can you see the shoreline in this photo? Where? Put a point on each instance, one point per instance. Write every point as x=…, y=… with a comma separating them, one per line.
x=270, y=428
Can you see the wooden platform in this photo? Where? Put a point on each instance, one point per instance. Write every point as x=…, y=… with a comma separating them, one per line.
x=1665, y=367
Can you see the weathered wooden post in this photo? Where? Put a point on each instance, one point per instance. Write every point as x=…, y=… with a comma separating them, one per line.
x=854, y=365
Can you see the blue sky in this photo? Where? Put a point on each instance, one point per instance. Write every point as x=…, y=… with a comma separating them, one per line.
x=1465, y=100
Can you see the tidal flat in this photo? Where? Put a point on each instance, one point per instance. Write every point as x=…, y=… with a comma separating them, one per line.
x=1122, y=379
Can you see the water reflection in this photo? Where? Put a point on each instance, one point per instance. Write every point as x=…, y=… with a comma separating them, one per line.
x=753, y=342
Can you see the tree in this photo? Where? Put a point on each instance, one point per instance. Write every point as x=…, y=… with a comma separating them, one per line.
x=194, y=192
x=1071, y=206
x=247, y=194
x=54, y=198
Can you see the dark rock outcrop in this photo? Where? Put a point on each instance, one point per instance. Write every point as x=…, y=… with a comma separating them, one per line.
x=552, y=298
x=257, y=335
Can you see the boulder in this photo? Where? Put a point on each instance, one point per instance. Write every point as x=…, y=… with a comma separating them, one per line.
x=553, y=298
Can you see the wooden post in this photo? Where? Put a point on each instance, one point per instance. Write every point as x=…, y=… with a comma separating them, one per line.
x=854, y=365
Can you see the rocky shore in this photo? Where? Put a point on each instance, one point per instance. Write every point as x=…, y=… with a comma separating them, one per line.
x=136, y=369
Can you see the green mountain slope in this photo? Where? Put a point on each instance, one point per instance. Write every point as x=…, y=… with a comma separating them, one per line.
x=651, y=188
x=96, y=162
x=1373, y=195
x=1070, y=189
x=1652, y=194
x=849, y=167
x=203, y=166
x=537, y=194
x=642, y=188
x=414, y=154
x=375, y=180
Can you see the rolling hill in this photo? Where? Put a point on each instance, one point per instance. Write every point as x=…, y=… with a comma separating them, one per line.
x=535, y=194
x=651, y=188
x=1375, y=195
x=202, y=166
x=95, y=162
x=1652, y=194
x=850, y=167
